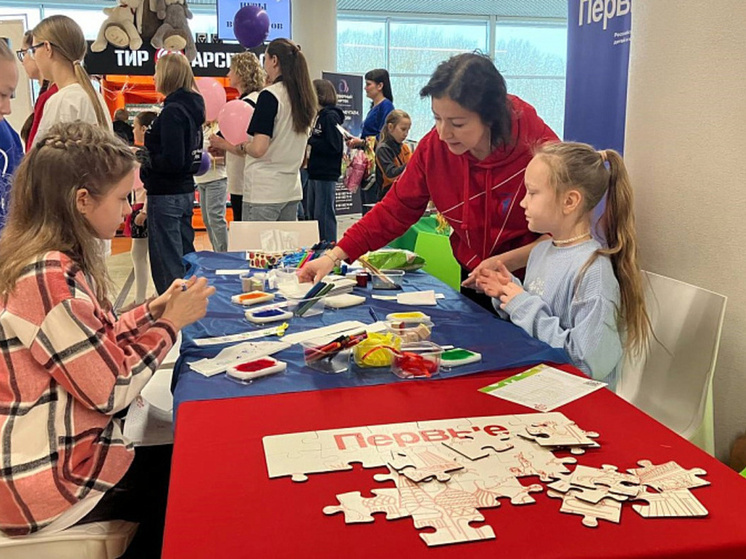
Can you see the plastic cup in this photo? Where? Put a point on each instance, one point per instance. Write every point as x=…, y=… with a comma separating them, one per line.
x=303, y=308
x=395, y=277
x=418, y=360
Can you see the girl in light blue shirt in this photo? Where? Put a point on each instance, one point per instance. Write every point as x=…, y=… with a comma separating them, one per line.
x=577, y=294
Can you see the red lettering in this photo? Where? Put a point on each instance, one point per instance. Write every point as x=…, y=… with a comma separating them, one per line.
x=341, y=444
x=459, y=434
x=403, y=439
x=433, y=435
x=379, y=440
x=496, y=430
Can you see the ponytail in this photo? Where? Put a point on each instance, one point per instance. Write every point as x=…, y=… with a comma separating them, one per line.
x=85, y=81
x=619, y=229
x=297, y=80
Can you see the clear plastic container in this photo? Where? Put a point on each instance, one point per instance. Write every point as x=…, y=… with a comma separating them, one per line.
x=410, y=332
x=395, y=276
x=325, y=357
x=375, y=350
x=418, y=360
x=286, y=275
x=304, y=308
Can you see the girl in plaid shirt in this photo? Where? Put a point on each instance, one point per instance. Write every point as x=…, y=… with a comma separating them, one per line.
x=67, y=365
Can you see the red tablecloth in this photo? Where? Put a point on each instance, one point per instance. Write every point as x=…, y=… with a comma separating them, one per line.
x=223, y=505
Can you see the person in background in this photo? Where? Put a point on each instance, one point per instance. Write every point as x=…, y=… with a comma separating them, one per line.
x=392, y=154
x=59, y=48
x=46, y=90
x=578, y=295
x=213, y=195
x=171, y=157
x=471, y=165
x=247, y=76
x=11, y=150
x=325, y=161
x=68, y=364
x=378, y=90
x=278, y=133
x=122, y=127
x=136, y=224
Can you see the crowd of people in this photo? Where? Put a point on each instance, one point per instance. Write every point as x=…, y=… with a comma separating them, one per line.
x=519, y=201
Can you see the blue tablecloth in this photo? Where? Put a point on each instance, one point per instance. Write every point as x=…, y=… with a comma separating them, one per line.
x=457, y=320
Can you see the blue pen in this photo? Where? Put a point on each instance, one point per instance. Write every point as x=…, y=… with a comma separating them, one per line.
x=373, y=314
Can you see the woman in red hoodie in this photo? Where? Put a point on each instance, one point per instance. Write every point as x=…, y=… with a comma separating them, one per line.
x=471, y=164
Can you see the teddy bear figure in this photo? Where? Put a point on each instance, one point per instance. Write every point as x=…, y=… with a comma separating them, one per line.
x=122, y=27
x=174, y=33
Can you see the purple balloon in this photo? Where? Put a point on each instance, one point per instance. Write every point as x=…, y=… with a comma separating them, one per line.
x=204, y=165
x=251, y=26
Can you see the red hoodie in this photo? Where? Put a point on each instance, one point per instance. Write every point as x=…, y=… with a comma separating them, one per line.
x=490, y=222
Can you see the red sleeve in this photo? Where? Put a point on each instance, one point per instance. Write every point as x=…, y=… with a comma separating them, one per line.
x=398, y=211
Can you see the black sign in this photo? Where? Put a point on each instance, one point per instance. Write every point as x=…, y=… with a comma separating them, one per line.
x=346, y=202
x=349, y=88
x=213, y=60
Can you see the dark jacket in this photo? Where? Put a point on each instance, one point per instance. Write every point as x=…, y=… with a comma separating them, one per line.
x=325, y=162
x=173, y=145
x=124, y=131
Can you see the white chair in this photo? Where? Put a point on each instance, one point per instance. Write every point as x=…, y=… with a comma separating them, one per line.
x=97, y=540
x=672, y=381
x=246, y=235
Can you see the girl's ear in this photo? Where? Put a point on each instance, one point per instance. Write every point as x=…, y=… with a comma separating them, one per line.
x=83, y=201
x=571, y=201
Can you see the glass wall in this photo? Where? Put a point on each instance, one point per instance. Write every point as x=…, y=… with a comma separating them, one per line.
x=530, y=54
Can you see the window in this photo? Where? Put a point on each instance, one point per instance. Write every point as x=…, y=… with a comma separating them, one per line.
x=30, y=16
x=203, y=22
x=89, y=20
x=530, y=54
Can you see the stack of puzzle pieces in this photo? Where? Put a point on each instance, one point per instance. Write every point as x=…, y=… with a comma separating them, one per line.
x=445, y=471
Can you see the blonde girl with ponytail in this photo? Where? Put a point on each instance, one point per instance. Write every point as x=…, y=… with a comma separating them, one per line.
x=58, y=48
x=578, y=294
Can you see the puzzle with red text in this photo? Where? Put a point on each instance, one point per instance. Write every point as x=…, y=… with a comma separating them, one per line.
x=445, y=471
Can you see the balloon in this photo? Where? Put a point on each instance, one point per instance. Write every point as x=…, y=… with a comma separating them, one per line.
x=234, y=119
x=251, y=26
x=204, y=165
x=214, y=95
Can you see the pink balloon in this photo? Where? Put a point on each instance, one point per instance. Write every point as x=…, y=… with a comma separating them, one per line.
x=234, y=119
x=214, y=95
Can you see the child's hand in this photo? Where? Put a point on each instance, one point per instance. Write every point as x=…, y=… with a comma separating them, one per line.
x=490, y=282
x=510, y=290
x=186, y=306
x=158, y=305
x=491, y=263
x=140, y=219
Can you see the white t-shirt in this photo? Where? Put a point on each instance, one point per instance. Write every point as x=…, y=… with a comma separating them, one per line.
x=69, y=104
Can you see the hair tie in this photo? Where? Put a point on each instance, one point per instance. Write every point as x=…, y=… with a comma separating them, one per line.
x=602, y=153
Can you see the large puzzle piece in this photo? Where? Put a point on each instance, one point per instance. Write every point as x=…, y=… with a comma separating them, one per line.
x=608, y=477
x=423, y=464
x=672, y=503
x=668, y=476
x=606, y=509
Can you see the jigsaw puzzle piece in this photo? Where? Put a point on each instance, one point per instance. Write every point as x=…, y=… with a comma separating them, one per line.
x=606, y=476
x=480, y=445
x=530, y=459
x=606, y=509
x=423, y=464
x=673, y=503
x=556, y=434
x=669, y=476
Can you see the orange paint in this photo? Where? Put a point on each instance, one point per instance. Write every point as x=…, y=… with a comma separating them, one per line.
x=251, y=296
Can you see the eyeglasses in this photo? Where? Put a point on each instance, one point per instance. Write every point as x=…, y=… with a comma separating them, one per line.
x=31, y=50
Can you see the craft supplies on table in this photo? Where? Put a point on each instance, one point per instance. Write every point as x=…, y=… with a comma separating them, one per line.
x=256, y=368
x=243, y=336
x=375, y=350
x=333, y=356
x=410, y=332
x=457, y=357
x=267, y=315
x=417, y=360
x=387, y=279
x=343, y=301
x=252, y=298
x=246, y=351
x=411, y=316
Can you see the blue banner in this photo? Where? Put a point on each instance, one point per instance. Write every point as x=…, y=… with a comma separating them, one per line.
x=598, y=40
x=277, y=10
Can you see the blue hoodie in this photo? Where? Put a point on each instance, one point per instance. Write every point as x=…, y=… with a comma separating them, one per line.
x=11, y=153
x=173, y=145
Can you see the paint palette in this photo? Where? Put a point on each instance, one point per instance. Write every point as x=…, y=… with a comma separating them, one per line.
x=252, y=298
x=413, y=317
x=344, y=300
x=456, y=357
x=256, y=368
x=262, y=316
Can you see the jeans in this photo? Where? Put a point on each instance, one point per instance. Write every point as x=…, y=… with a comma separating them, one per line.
x=320, y=204
x=304, y=210
x=170, y=236
x=212, y=198
x=287, y=211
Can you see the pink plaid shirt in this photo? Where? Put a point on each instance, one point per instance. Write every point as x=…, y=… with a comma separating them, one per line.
x=66, y=366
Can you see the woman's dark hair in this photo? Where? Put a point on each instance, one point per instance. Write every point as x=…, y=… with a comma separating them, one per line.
x=325, y=92
x=146, y=118
x=472, y=81
x=303, y=102
x=380, y=75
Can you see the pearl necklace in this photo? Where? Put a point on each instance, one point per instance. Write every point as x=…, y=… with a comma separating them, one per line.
x=570, y=240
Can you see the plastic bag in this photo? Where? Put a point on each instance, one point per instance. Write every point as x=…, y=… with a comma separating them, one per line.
x=356, y=171
x=395, y=259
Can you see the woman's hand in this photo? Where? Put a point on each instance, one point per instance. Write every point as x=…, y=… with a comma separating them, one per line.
x=353, y=143
x=140, y=218
x=187, y=305
x=217, y=142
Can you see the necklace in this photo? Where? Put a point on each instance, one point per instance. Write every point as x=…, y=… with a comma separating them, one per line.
x=571, y=239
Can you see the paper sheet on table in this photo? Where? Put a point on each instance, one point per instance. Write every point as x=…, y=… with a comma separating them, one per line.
x=230, y=272
x=246, y=351
x=543, y=388
x=417, y=298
